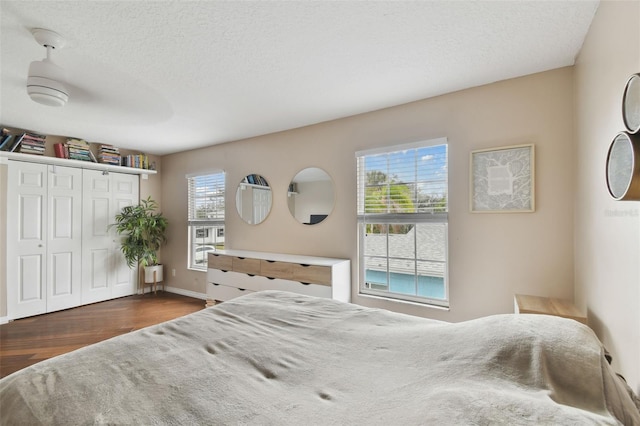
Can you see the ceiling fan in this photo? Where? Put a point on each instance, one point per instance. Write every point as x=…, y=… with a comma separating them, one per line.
x=45, y=82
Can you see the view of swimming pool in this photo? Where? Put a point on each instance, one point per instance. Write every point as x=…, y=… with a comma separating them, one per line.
x=427, y=286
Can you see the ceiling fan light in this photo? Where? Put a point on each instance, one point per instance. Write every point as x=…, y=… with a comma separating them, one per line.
x=46, y=91
x=43, y=85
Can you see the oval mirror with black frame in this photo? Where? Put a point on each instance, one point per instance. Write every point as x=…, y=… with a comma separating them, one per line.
x=311, y=196
x=253, y=199
x=623, y=167
x=631, y=104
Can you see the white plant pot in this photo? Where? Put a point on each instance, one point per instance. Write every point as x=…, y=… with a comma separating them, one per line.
x=148, y=274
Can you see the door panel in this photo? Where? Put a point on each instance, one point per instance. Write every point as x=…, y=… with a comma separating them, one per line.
x=61, y=274
x=96, y=241
x=125, y=193
x=30, y=278
x=26, y=230
x=30, y=217
x=105, y=273
x=64, y=245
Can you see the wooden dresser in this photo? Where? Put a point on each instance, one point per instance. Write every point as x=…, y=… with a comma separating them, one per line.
x=524, y=304
x=232, y=273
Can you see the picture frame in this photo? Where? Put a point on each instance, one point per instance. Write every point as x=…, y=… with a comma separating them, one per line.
x=502, y=180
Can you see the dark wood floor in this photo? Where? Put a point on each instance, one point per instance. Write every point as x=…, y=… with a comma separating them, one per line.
x=29, y=340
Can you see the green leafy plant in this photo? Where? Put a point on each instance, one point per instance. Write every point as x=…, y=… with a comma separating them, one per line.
x=144, y=231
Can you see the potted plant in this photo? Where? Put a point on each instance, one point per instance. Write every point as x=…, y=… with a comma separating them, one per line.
x=144, y=231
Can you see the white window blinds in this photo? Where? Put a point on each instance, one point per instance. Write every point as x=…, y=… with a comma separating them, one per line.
x=206, y=199
x=401, y=180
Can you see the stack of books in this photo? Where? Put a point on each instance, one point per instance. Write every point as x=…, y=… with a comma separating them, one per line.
x=109, y=154
x=31, y=143
x=256, y=180
x=139, y=161
x=79, y=150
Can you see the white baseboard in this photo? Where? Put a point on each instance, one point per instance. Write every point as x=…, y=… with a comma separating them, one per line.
x=4, y=320
x=189, y=293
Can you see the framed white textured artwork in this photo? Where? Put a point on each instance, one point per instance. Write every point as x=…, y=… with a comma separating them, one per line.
x=502, y=180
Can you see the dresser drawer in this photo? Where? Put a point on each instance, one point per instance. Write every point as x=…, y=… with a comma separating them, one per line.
x=246, y=265
x=220, y=261
x=223, y=292
x=235, y=279
x=297, y=287
x=273, y=269
x=312, y=274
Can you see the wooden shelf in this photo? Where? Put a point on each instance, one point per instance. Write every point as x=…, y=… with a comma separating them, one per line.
x=544, y=305
x=4, y=156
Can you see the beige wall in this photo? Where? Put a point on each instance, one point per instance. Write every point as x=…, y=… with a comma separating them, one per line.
x=607, y=232
x=492, y=256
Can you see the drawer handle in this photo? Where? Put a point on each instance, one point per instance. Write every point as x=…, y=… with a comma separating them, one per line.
x=241, y=289
x=270, y=278
x=214, y=254
x=271, y=261
x=305, y=283
x=252, y=275
x=241, y=258
x=304, y=265
x=224, y=270
x=215, y=283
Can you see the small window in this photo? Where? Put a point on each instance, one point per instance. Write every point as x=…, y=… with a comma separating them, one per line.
x=402, y=222
x=206, y=217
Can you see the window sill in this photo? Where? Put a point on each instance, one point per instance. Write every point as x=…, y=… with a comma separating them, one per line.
x=404, y=302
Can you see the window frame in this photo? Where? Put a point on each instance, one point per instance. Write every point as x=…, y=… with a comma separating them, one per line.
x=212, y=225
x=395, y=218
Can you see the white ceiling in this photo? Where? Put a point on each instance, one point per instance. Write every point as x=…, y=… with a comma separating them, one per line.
x=167, y=76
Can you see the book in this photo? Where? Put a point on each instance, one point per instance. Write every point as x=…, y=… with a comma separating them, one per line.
x=59, y=150
x=6, y=142
x=16, y=143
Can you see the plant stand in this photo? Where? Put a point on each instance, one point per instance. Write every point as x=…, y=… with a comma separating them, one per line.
x=153, y=276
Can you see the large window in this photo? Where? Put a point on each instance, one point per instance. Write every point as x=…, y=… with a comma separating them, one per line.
x=402, y=222
x=206, y=217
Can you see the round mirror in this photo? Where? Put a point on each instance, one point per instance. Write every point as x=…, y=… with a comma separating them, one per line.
x=253, y=199
x=631, y=104
x=311, y=196
x=623, y=167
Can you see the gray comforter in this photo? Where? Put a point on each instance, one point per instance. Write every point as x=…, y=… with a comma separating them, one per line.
x=275, y=358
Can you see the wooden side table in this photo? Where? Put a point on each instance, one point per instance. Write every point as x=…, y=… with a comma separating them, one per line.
x=544, y=305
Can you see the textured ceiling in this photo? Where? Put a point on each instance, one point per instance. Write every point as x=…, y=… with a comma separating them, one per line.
x=166, y=76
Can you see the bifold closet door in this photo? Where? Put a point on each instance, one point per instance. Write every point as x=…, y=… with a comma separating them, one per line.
x=43, y=238
x=105, y=275
x=26, y=234
x=64, y=242
x=125, y=193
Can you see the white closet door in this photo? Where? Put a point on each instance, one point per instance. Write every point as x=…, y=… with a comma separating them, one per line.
x=96, y=238
x=26, y=235
x=105, y=275
x=124, y=193
x=64, y=243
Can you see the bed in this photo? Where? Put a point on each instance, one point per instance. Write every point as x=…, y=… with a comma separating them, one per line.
x=277, y=358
